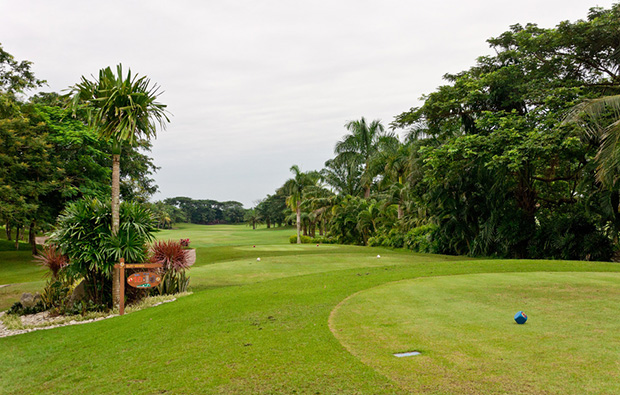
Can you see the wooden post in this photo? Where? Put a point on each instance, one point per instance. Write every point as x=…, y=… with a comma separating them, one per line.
x=121, y=305
x=121, y=274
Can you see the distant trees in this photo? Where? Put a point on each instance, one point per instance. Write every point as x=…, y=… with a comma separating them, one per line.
x=272, y=210
x=208, y=211
x=252, y=218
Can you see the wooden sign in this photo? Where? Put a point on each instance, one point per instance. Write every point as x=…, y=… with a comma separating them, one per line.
x=122, y=266
x=144, y=280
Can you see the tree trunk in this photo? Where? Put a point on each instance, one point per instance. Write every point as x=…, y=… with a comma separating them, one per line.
x=32, y=239
x=298, y=224
x=116, y=180
x=400, y=211
x=253, y=225
x=17, y=229
x=321, y=226
x=8, y=231
x=367, y=192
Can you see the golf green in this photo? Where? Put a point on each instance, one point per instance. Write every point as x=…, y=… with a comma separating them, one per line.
x=463, y=328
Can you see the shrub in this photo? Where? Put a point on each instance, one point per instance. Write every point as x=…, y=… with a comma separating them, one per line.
x=421, y=239
x=19, y=309
x=185, y=242
x=322, y=240
x=169, y=253
x=569, y=234
x=84, y=235
x=51, y=257
x=57, y=293
x=174, y=259
x=304, y=239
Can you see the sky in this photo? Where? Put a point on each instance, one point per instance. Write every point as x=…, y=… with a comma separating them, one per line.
x=254, y=87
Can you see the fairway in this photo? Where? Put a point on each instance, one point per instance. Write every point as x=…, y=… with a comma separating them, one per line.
x=464, y=329
x=264, y=327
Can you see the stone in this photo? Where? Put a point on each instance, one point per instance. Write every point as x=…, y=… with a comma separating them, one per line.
x=190, y=255
x=27, y=299
x=79, y=293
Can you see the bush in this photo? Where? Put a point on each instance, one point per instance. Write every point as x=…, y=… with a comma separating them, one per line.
x=173, y=257
x=19, y=309
x=304, y=239
x=57, y=293
x=421, y=239
x=322, y=240
x=51, y=257
x=84, y=235
x=569, y=235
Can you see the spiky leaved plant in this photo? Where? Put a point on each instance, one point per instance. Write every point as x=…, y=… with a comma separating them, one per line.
x=52, y=258
x=173, y=257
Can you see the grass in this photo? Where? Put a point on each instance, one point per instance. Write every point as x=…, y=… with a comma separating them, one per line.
x=249, y=326
x=464, y=328
x=19, y=270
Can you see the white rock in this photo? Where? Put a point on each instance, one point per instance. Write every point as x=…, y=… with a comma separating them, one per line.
x=378, y=256
x=258, y=259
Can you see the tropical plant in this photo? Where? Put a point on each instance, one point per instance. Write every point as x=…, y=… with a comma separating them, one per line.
x=51, y=258
x=253, y=218
x=359, y=148
x=295, y=188
x=172, y=255
x=123, y=109
x=84, y=235
x=600, y=119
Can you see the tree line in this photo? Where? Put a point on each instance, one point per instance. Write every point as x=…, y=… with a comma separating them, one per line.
x=515, y=157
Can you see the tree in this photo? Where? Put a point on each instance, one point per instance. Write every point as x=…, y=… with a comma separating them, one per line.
x=122, y=109
x=600, y=119
x=359, y=147
x=24, y=174
x=252, y=218
x=295, y=188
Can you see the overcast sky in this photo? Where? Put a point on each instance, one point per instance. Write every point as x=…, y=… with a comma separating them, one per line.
x=257, y=86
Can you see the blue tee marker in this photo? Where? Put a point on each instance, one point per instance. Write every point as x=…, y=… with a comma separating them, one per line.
x=520, y=317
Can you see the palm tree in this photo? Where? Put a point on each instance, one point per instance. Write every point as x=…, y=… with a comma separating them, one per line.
x=295, y=188
x=252, y=217
x=361, y=145
x=123, y=109
x=600, y=118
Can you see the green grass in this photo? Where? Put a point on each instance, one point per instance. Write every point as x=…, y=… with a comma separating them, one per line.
x=249, y=327
x=464, y=328
x=18, y=269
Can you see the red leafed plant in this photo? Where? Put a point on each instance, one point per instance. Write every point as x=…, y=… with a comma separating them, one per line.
x=169, y=253
x=185, y=242
x=53, y=259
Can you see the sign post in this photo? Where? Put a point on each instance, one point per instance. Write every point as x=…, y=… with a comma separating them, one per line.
x=141, y=280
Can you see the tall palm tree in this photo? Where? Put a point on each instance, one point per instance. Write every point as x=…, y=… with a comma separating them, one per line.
x=600, y=119
x=361, y=145
x=295, y=188
x=123, y=109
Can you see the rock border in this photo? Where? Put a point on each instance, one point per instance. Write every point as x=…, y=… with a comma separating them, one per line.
x=40, y=321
